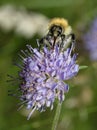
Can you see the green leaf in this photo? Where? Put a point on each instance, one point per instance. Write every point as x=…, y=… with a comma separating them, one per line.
x=83, y=67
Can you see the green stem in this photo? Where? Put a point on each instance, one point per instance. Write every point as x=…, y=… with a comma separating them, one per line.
x=57, y=114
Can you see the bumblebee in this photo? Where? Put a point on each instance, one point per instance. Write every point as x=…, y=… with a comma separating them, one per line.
x=59, y=32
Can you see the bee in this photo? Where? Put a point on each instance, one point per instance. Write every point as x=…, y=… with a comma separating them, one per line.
x=59, y=32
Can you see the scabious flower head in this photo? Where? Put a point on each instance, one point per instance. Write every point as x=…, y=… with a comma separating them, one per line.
x=90, y=40
x=44, y=74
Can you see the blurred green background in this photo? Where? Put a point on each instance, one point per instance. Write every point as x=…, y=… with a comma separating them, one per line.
x=21, y=23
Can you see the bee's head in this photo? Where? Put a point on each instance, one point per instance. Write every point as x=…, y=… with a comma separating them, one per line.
x=57, y=26
x=56, y=30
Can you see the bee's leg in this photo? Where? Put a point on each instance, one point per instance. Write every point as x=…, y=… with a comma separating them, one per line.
x=63, y=37
x=49, y=40
x=62, y=42
x=45, y=41
x=41, y=43
x=37, y=41
x=72, y=36
x=73, y=41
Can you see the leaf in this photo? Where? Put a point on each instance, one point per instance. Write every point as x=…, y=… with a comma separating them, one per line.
x=83, y=67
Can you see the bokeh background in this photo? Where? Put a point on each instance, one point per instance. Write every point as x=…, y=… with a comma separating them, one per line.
x=24, y=21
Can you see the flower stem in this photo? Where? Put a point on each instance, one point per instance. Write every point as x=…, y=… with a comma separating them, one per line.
x=57, y=114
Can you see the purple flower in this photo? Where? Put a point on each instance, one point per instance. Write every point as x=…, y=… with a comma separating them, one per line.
x=90, y=40
x=43, y=76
